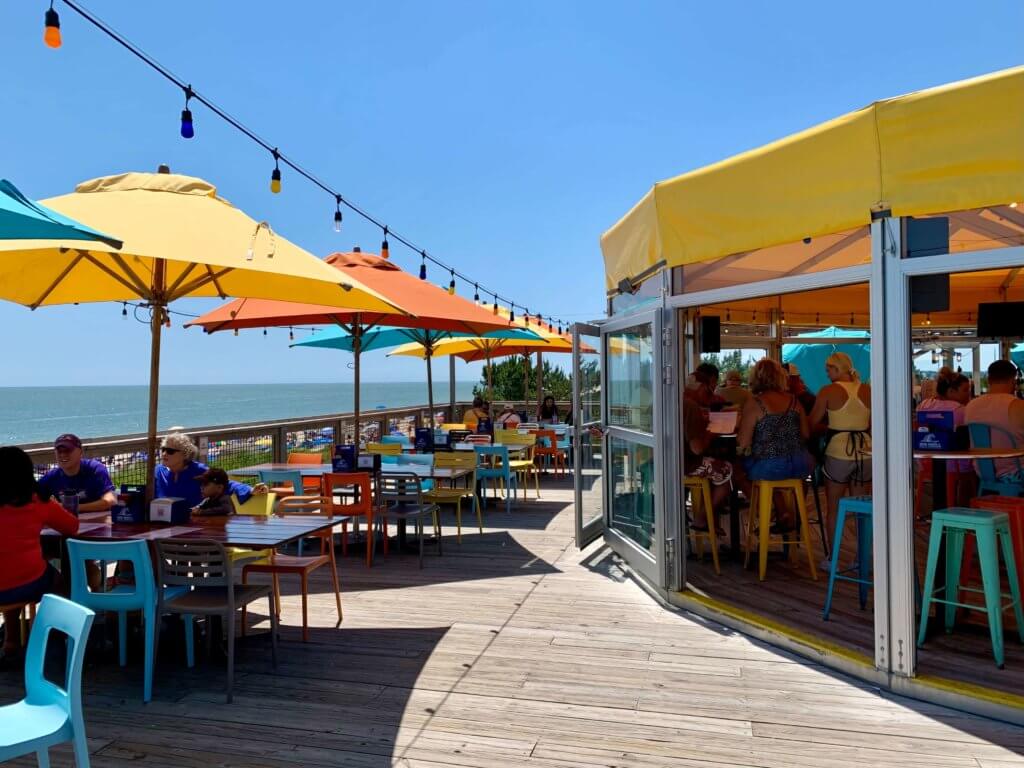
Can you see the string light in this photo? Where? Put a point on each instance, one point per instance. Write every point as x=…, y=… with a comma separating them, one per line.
x=852, y=321
x=1014, y=205
x=53, y=39
x=928, y=319
x=384, y=250
x=264, y=331
x=817, y=318
x=423, y=265
x=337, y=213
x=124, y=309
x=275, y=176
x=782, y=317
x=527, y=318
x=476, y=293
x=236, y=331
x=451, y=285
x=291, y=335
x=51, y=32
x=511, y=313
x=495, y=308
x=188, y=129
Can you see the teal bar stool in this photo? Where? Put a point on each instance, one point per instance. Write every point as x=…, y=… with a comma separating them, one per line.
x=50, y=714
x=860, y=508
x=991, y=531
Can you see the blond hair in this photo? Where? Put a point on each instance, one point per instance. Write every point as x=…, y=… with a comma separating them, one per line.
x=844, y=364
x=182, y=443
x=767, y=376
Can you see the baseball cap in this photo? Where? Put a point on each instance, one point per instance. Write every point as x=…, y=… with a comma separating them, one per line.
x=67, y=440
x=213, y=475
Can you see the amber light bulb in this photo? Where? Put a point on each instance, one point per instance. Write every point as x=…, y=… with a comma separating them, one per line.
x=51, y=35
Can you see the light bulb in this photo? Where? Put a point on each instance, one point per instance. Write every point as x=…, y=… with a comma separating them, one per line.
x=337, y=220
x=1014, y=205
x=476, y=294
x=51, y=34
x=187, y=129
x=291, y=335
x=451, y=285
x=236, y=331
x=511, y=314
x=423, y=266
x=495, y=306
x=275, y=181
x=124, y=309
x=384, y=245
x=264, y=331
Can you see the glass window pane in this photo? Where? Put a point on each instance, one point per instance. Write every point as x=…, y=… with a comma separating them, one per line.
x=590, y=379
x=632, y=488
x=630, y=356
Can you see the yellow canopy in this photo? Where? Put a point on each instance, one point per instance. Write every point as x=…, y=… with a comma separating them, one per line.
x=952, y=148
x=208, y=247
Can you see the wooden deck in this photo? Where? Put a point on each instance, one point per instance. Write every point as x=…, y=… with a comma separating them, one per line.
x=512, y=651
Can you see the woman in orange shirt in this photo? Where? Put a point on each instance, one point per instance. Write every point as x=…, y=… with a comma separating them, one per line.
x=25, y=576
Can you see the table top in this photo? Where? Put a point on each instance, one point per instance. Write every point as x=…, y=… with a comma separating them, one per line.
x=472, y=446
x=250, y=531
x=315, y=470
x=971, y=453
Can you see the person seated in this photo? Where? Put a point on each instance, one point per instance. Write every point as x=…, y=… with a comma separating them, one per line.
x=1002, y=409
x=696, y=441
x=472, y=415
x=701, y=385
x=733, y=391
x=213, y=484
x=507, y=419
x=772, y=434
x=86, y=478
x=178, y=473
x=25, y=510
x=953, y=392
x=548, y=413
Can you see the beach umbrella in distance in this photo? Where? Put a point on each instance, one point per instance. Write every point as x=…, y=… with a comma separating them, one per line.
x=430, y=308
x=22, y=219
x=179, y=240
x=423, y=338
x=810, y=358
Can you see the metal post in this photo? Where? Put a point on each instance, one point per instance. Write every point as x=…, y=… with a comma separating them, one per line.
x=976, y=367
x=357, y=348
x=159, y=309
x=540, y=381
x=451, y=389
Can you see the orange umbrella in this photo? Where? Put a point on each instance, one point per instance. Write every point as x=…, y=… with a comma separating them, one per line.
x=431, y=309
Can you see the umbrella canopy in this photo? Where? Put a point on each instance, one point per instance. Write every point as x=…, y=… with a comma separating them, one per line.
x=810, y=358
x=24, y=219
x=180, y=240
x=1017, y=355
x=429, y=307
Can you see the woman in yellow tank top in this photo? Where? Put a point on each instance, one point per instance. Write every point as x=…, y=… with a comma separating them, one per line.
x=843, y=410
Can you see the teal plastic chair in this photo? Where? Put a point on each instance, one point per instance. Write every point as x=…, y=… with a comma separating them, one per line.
x=992, y=532
x=140, y=596
x=988, y=482
x=860, y=507
x=401, y=440
x=421, y=459
x=275, y=478
x=498, y=469
x=50, y=714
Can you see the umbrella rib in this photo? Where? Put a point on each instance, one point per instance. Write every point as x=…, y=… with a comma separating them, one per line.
x=181, y=278
x=137, y=288
x=56, y=282
x=209, y=277
x=139, y=284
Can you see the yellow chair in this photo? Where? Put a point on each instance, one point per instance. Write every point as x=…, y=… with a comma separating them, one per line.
x=447, y=427
x=761, y=503
x=258, y=505
x=457, y=460
x=384, y=449
x=700, y=495
x=526, y=465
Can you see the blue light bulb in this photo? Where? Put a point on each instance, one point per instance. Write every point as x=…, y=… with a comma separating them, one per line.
x=187, y=129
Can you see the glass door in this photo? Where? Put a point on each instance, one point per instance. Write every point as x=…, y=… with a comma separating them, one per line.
x=632, y=447
x=588, y=432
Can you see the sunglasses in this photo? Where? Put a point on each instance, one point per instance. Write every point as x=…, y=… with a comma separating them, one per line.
x=168, y=450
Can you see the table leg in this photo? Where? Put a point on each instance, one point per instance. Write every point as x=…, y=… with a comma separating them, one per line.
x=939, y=501
x=735, y=550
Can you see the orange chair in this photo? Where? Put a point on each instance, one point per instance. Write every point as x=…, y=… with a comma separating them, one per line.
x=310, y=485
x=301, y=566
x=357, y=501
x=549, y=448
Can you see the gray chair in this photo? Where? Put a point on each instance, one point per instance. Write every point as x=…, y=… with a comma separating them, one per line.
x=401, y=498
x=202, y=566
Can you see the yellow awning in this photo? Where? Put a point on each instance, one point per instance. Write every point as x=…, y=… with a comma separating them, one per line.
x=956, y=147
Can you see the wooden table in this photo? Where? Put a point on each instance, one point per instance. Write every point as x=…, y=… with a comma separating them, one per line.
x=317, y=470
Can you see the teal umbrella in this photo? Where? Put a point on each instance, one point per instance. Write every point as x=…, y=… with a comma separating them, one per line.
x=384, y=337
x=25, y=219
x=1017, y=355
x=810, y=358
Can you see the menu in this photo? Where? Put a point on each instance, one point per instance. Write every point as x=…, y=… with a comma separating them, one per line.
x=723, y=422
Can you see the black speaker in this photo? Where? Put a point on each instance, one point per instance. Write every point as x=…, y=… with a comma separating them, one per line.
x=929, y=293
x=927, y=237
x=710, y=333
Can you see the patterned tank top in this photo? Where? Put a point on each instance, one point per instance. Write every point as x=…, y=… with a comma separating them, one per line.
x=776, y=434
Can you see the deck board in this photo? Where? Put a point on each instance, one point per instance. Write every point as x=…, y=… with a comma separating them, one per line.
x=512, y=651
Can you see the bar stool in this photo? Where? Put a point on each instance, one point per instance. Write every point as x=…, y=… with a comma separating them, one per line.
x=700, y=490
x=860, y=507
x=762, y=500
x=991, y=530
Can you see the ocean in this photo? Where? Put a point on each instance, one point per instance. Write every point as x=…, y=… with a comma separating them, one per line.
x=38, y=414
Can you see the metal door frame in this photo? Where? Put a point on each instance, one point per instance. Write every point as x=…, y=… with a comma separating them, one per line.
x=588, y=531
x=652, y=567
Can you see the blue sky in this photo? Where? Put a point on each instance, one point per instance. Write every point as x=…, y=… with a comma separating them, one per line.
x=505, y=137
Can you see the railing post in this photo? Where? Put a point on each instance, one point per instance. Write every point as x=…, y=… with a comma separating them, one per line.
x=281, y=444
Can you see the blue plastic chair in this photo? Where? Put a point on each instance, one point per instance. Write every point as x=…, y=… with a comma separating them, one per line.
x=981, y=437
x=50, y=714
x=498, y=469
x=860, y=507
x=275, y=478
x=140, y=596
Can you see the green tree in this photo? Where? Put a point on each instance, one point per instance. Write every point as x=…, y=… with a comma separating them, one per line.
x=507, y=380
x=730, y=361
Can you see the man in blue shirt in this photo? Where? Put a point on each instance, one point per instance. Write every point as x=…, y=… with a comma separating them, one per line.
x=88, y=478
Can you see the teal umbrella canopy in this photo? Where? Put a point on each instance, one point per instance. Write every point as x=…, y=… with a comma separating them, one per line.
x=810, y=358
x=25, y=219
x=384, y=337
x=1017, y=355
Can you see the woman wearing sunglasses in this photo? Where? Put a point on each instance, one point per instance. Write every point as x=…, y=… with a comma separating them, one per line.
x=177, y=473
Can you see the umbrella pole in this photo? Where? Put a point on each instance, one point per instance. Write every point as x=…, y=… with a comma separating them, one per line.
x=490, y=385
x=540, y=381
x=357, y=334
x=451, y=388
x=526, y=385
x=430, y=378
x=156, y=324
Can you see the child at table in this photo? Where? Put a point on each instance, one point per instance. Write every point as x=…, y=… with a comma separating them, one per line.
x=25, y=576
x=213, y=484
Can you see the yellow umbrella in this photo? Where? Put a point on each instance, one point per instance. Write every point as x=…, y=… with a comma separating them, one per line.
x=180, y=240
